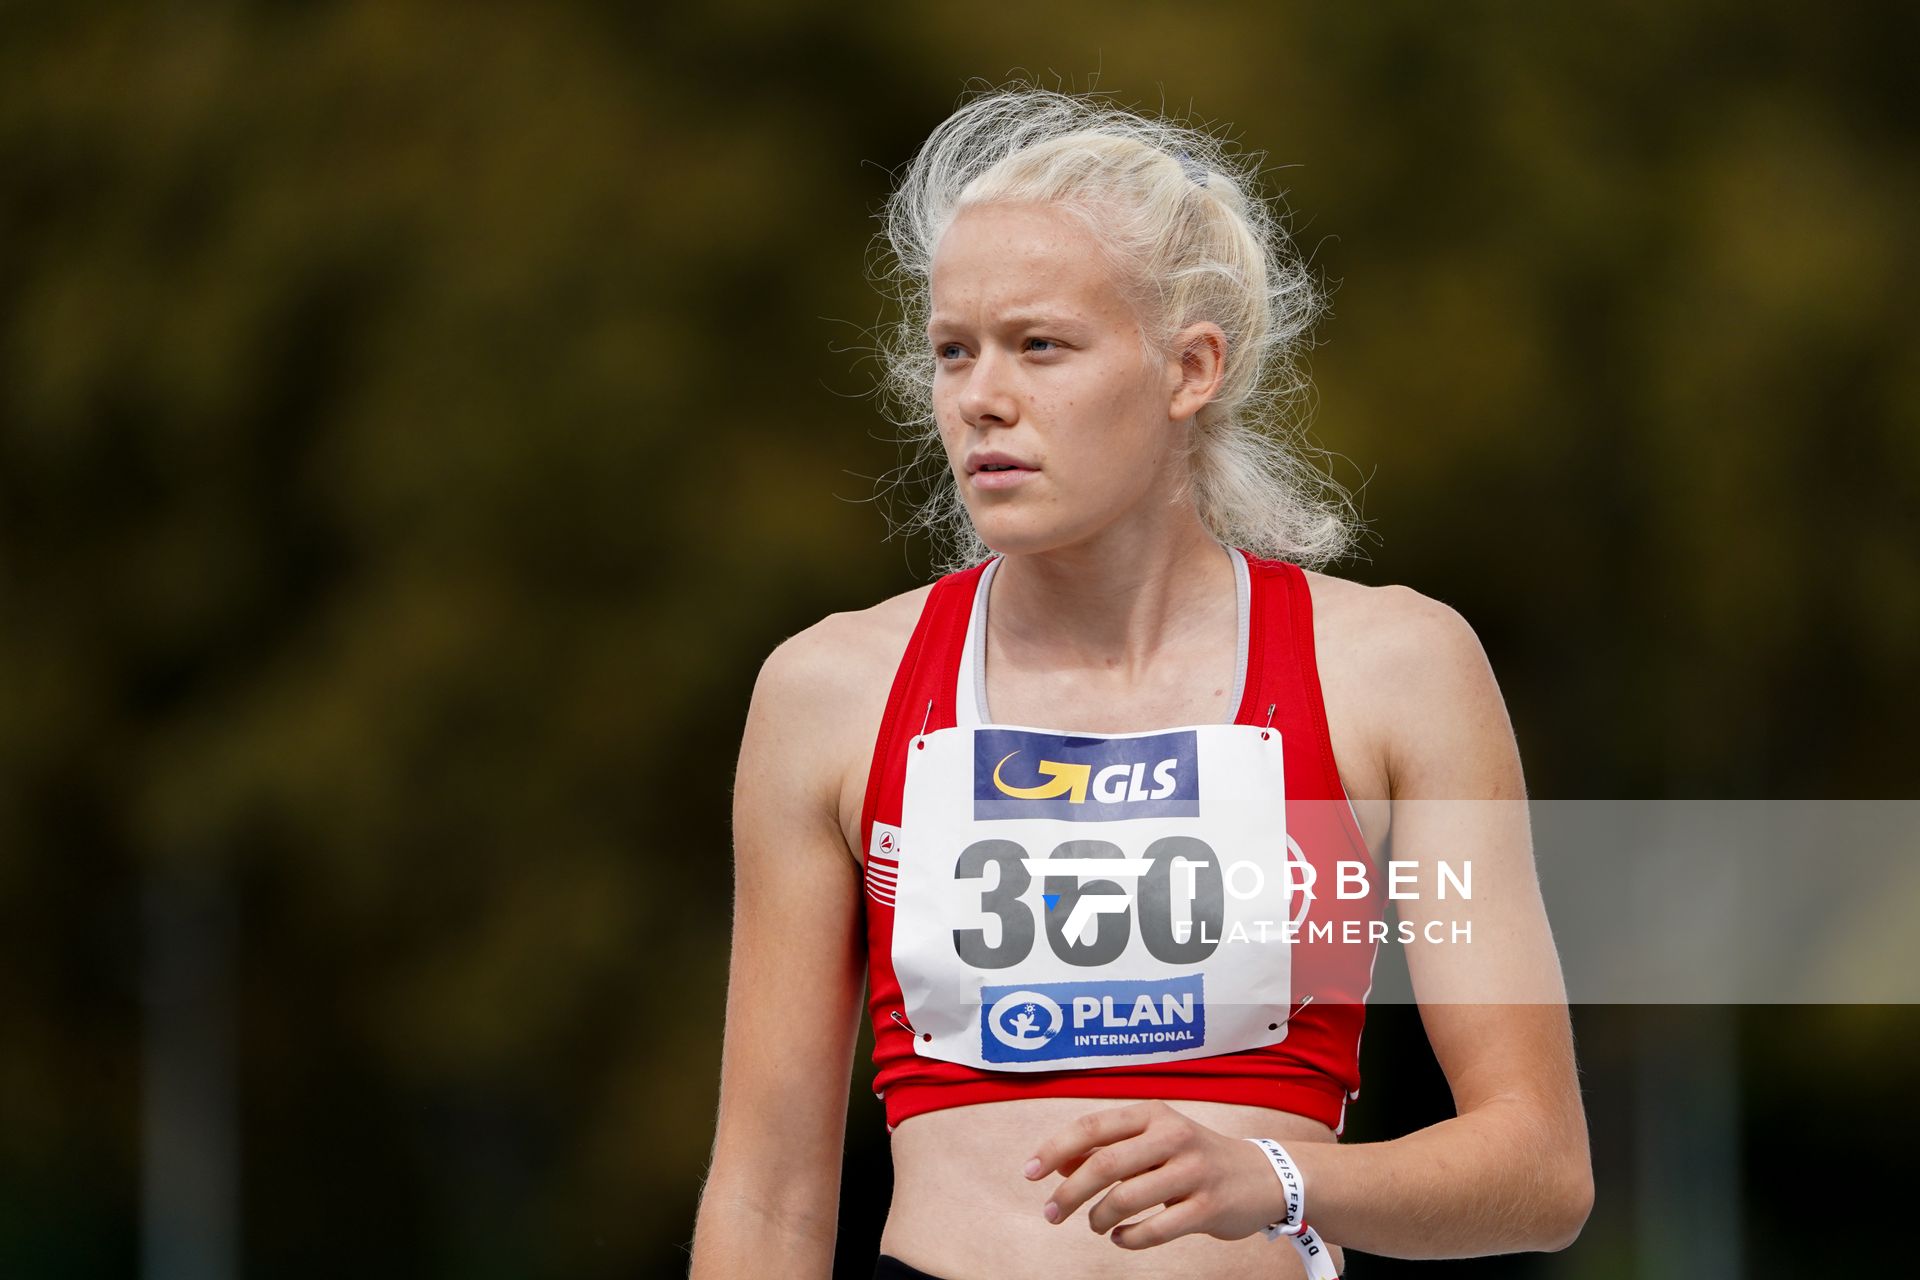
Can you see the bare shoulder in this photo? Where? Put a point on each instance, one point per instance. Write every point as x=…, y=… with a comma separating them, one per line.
x=1415, y=682
x=1392, y=631
x=1395, y=666
x=841, y=657
x=827, y=686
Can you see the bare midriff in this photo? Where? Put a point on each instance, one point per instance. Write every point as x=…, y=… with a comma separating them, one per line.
x=963, y=1210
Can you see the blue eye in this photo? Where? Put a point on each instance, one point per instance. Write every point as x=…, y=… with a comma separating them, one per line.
x=1049, y=341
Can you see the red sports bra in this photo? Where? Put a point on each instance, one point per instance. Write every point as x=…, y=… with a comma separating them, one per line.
x=1008, y=1035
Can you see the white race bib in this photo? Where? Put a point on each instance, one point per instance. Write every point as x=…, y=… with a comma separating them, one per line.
x=1079, y=900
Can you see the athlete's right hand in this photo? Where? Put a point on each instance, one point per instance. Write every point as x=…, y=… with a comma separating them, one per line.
x=1150, y=1154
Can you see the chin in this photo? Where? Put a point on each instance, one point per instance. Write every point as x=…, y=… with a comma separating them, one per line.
x=1020, y=537
x=1006, y=538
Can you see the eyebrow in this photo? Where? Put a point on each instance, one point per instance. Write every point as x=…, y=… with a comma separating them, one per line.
x=1045, y=319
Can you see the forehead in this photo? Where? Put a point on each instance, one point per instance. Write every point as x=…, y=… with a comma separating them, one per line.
x=1001, y=259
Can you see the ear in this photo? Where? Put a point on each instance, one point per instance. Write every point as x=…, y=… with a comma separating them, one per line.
x=1200, y=365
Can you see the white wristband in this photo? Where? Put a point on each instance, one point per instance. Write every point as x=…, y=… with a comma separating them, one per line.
x=1313, y=1251
x=1291, y=1183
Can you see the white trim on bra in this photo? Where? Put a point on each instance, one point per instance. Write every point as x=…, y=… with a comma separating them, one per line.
x=972, y=711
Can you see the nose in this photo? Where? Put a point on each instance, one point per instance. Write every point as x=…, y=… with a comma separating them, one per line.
x=987, y=400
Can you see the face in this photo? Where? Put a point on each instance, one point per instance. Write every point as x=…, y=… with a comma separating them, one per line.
x=1038, y=363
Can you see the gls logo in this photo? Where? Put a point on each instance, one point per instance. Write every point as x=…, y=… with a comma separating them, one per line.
x=1116, y=782
x=1021, y=774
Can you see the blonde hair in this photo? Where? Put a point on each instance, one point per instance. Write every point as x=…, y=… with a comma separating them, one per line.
x=1188, y=239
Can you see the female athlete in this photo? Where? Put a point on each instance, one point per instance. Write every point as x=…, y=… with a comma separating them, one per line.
x=1073, y=810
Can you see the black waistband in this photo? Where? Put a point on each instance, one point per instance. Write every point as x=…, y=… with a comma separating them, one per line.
x=891, y=1268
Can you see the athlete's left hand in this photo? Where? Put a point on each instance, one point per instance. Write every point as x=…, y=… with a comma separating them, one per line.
x=1209, y=1182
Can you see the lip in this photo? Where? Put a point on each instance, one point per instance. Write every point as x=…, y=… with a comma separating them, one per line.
x=995, y=458
x=983, y=479
x=1003, y=479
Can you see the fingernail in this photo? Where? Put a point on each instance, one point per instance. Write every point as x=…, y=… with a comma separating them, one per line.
x=1052, y=1211
x=1033, y=1166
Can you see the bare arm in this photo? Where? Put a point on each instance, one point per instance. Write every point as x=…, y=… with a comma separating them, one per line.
x=771, y=1200
x=1510, y=1171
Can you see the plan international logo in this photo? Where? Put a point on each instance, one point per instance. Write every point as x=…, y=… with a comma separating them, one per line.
x=1044, y=1021
x=1021, y=774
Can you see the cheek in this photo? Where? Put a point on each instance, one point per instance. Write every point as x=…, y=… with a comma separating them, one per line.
x=946, y=420
x=1113, y=430
x=1120, y=393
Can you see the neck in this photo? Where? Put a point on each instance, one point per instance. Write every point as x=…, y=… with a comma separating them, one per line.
x=1113, y=603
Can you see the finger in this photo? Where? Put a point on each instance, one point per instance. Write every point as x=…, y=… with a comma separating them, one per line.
x=1183, y=1218
x=1170, y=1182
x=1107, y=1166
x=1085, y=1132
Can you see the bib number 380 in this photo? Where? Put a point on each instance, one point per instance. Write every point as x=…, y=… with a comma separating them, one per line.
x=1177, y=885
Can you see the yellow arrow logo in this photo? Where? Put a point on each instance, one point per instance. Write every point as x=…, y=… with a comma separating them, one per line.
x=1069, y=780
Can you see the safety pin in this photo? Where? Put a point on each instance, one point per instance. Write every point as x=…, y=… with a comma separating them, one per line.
x=1274, y=1026
x=901, y=1018
x=928, y=717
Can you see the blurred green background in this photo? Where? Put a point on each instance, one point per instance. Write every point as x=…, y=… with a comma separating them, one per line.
x=418, y=421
